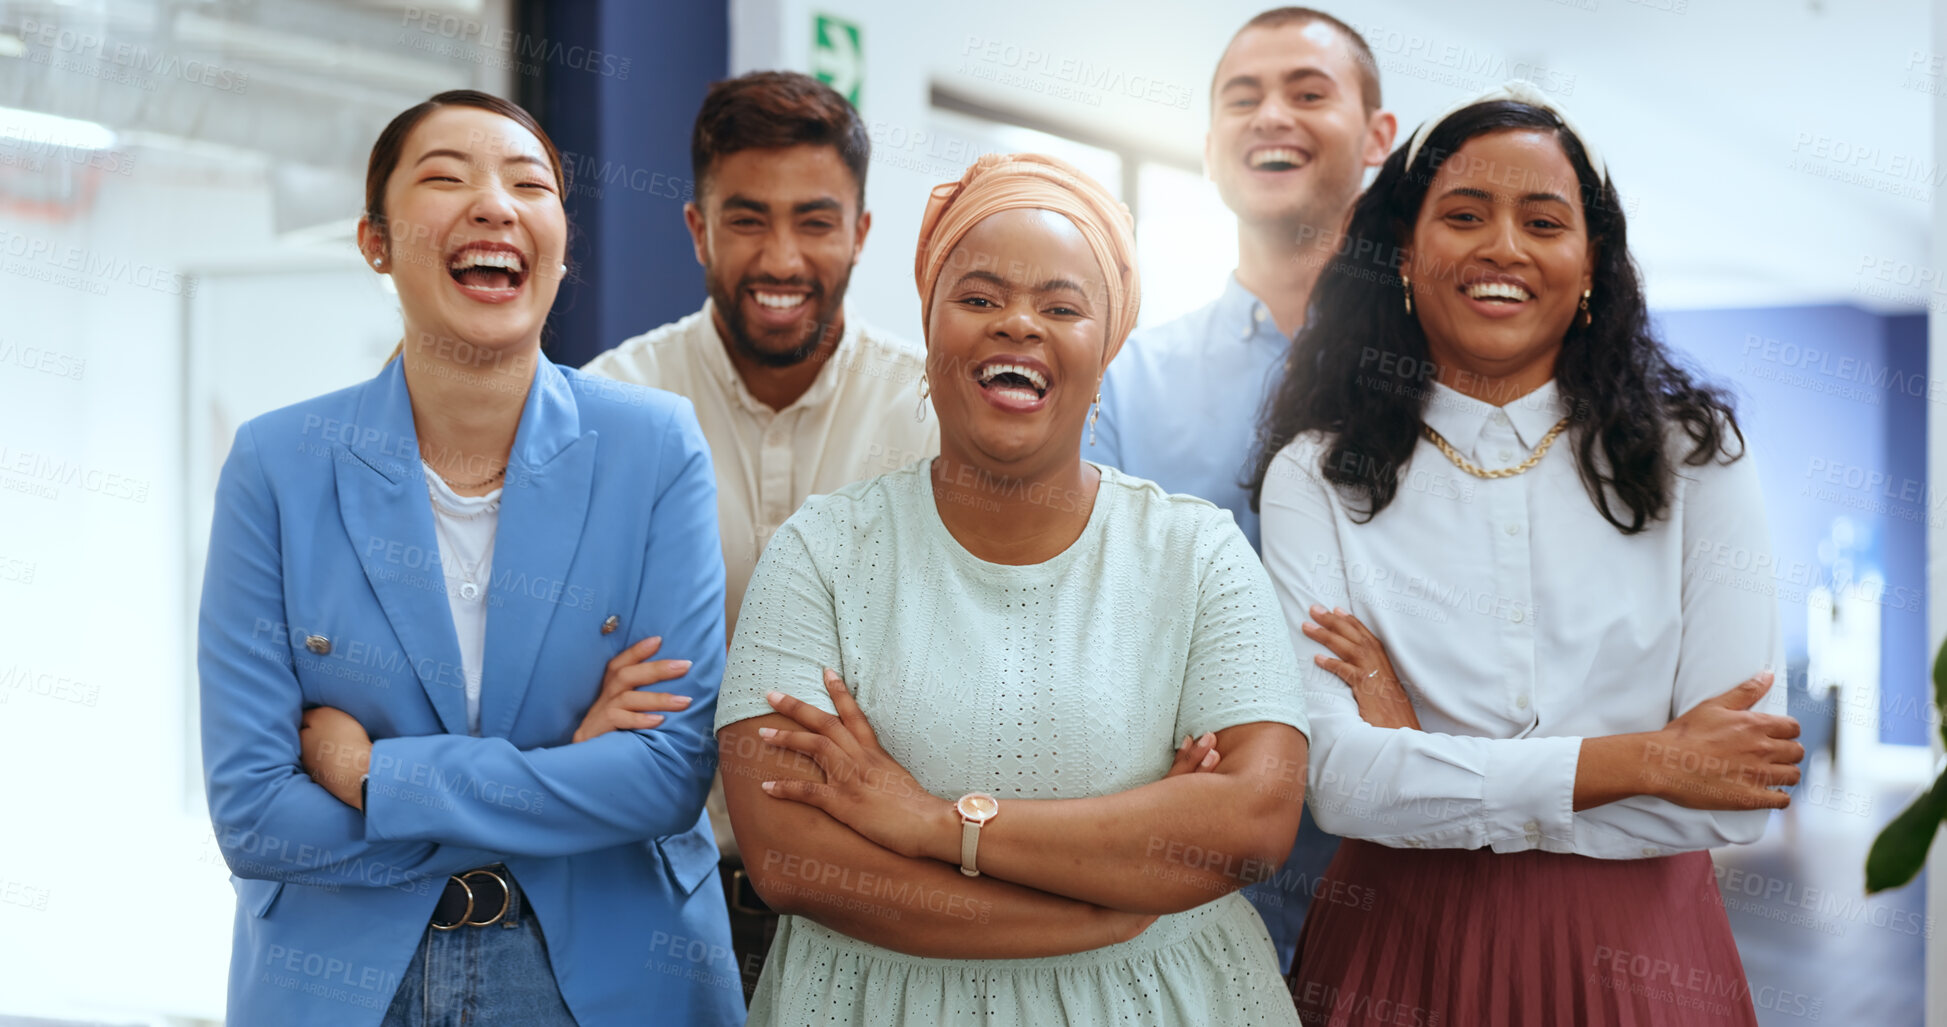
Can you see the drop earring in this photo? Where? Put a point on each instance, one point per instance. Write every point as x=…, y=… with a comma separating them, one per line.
x=1587, y=318
x=1094, y=412
x=1406, y=289
x=925, y=390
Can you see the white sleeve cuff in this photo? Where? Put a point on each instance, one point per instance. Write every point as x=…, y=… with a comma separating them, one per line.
x=1528, y=795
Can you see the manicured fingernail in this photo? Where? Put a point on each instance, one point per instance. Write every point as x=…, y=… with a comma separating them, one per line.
x=1209, y=738
x=655, y=640
x=1186, y=742
x=1340, y=610
x=655, y=719
x=767, y=732
x=685, y=699
x=769, y=785
x=773, y=697
x=680, y=664
x=1316, y=610
x=1318, y=658
x=1310, y=627
x=1210, y=759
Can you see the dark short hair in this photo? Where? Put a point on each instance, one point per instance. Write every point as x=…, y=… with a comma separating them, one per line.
x=1279, y=17
x=766, y=110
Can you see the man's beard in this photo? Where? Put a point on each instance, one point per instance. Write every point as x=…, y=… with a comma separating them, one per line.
x=731, y=307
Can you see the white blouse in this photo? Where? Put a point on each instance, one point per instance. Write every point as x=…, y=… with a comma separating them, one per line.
x=465, y=527
x=1521, y=622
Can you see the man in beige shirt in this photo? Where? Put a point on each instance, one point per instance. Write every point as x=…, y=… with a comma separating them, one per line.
x=795, y=397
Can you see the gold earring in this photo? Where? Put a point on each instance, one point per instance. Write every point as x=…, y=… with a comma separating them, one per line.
x=925, y=390
x=1406, y=287
x=1587, y=318
x=1093, y=413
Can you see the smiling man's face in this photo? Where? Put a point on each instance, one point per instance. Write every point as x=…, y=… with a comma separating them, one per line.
x=1290, y=137
x=777, y=232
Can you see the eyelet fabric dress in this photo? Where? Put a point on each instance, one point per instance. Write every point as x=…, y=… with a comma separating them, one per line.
x=1070, y=678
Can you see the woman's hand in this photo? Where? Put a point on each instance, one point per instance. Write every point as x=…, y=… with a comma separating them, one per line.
x=620, y=707
x=1362, y=664
x=1723, y=755
x=864, y=788
x=337, y=752
x=1195, y=756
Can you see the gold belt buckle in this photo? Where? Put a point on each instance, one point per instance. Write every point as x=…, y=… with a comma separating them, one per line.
x=506, y=898
x=437, y=926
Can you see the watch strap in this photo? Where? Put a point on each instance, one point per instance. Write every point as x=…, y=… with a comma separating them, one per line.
x=969, y=843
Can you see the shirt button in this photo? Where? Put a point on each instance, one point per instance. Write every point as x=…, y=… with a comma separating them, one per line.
x=1518, y=616
x=1521, y=702
x=1258, y=315
x=1652, y=853
x=1514, y=529
x=1506, y=455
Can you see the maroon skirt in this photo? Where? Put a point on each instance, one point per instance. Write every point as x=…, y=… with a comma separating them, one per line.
x=1458, y=938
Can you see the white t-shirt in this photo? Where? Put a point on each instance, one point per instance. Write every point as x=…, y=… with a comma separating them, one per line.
x=465, y=527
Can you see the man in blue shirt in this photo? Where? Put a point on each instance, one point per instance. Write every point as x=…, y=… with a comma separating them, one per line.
x=1295, y=121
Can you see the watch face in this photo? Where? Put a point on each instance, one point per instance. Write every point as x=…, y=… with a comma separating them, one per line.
x=979, y=807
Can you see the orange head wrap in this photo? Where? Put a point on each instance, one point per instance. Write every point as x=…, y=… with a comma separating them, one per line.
x=998, y=182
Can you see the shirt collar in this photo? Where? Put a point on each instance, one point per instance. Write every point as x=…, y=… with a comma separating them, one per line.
x=716, y=356
x=1242, y=312
x=1460, y=418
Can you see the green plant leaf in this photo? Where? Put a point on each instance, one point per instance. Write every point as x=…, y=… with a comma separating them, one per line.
x=1901, y=848
x=1940, y=688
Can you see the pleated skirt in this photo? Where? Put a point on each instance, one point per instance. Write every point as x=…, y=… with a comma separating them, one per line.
x=1457, y=938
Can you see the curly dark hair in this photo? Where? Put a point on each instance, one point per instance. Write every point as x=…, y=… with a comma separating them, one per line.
x=1624, y=387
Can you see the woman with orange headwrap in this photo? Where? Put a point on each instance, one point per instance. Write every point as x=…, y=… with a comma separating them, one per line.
x=1031, y=635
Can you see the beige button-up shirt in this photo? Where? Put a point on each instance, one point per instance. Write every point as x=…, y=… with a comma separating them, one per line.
x=856, y=421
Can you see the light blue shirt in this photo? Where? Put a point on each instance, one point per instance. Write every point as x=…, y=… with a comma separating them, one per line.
x=1180, y=404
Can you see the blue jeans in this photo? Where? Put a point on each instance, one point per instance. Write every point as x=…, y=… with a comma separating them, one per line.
x=494, y=976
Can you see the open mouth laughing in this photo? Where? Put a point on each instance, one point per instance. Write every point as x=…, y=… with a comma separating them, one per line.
x=1276, y=158
x=1012, y=383
x=492, y=272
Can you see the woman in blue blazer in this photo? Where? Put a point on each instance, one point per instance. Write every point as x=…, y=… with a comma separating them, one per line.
x=432, y=762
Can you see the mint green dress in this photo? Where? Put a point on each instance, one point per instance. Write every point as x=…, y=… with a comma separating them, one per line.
x=1069, y=678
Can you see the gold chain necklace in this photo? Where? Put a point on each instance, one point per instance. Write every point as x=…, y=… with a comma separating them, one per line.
x=463, y=484
x=1477, y=471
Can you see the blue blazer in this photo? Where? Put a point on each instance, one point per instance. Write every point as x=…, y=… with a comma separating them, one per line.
x=323, y=528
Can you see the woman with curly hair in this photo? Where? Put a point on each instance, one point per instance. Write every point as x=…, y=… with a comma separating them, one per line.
x=1483, y=456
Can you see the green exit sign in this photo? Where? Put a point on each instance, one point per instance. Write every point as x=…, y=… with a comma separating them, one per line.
x=836, y=57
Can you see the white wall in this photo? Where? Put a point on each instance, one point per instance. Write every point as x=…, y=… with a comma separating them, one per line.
x=1771, y=154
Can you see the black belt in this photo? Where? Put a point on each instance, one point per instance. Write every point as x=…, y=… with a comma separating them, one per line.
x=487, y=892
x=740, y=893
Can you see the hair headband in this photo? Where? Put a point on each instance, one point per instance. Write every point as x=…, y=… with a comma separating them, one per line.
x=1519, y=91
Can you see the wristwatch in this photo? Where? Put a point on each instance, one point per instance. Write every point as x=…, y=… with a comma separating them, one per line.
x=975, y=809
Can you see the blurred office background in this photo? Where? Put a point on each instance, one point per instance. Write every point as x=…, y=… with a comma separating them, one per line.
x=178, y=186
